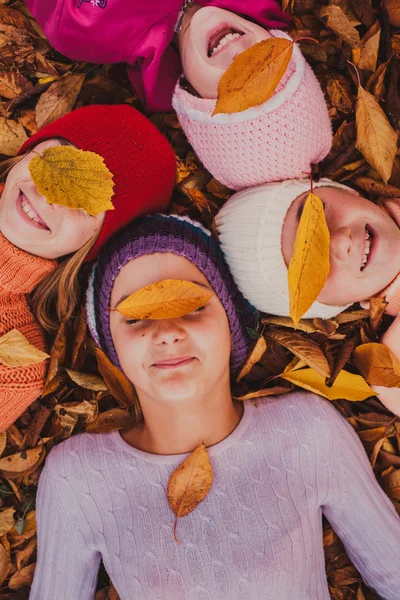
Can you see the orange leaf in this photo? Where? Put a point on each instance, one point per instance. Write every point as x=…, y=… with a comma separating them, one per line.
x=255, y=355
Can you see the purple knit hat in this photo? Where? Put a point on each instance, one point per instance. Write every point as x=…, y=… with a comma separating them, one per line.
x=183, y=237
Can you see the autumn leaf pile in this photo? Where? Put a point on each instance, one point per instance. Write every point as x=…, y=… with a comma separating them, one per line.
x=356, y=56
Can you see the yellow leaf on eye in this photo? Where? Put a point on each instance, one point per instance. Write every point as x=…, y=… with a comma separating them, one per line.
x=17, y=351
x=347, y=386
x=167, y=299
x=309, y=265
x=377, y=364
x=190, y=483
x=256, y=355
x=74, y=178
x=376, y=139
x=253, y=76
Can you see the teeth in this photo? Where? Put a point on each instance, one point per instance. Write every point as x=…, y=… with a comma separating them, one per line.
x=27, y=209
x=225, y=40
x=367, y=248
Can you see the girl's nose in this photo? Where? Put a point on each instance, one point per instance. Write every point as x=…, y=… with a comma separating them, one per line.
x=167, y=331
x=341, y=242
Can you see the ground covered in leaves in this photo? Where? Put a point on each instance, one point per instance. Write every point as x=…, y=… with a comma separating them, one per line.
x=83, y=391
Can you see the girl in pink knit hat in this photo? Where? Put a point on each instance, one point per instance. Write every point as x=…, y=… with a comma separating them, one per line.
x=274, y=141
x=257, y=229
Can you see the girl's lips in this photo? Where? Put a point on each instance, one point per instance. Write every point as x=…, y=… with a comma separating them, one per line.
x=374, y=240
x=172, y=363
x=24, y=216
x=216, y=35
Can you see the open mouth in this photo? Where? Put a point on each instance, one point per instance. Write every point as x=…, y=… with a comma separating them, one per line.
x=369, y=241
x=221, y=38
x=30, y=213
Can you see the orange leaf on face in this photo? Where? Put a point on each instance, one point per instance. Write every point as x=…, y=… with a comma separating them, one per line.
x=190, y=483
x=253, y=76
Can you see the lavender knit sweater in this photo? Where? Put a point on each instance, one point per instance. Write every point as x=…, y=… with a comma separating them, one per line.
x=256, y=536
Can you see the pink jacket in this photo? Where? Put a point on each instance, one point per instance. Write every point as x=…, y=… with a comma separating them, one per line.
x=137, y=32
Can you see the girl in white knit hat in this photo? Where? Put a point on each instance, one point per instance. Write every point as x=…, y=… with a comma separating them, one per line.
x=276, y=140
x=257, y=229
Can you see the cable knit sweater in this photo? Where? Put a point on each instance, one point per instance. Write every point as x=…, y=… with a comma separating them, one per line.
x=20, y=273
x=256, y=536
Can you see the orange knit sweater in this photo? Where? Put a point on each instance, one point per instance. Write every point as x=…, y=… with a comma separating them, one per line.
x=20, y=273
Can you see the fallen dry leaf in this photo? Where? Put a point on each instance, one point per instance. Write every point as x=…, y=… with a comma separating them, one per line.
x=376, y=139
x=377, y=364
x=338, y=89
x=17, y=351
x=256, y=354
x=166, y=299
x=7, y=520
x=335, y=19
x=369, y=49
x=347, y=386
x=115, y=418
x=87, y=381
x=12, y=136
x=59, y=99
x=190, y=483
x=75, y=178
x=119, y=385
x=393, y=10
x=310, y=258
x=253, y=76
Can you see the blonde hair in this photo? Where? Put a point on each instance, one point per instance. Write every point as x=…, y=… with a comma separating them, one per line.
x=56, y=297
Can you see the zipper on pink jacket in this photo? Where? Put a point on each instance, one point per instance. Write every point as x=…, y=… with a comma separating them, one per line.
x=181, y=15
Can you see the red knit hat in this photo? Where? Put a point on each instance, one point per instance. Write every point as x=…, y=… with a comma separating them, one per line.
x=140, y=159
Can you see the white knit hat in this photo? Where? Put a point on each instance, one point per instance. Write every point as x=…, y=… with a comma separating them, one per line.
x=250, y=230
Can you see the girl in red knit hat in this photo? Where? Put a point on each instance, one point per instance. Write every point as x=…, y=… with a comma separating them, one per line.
x=43, y=245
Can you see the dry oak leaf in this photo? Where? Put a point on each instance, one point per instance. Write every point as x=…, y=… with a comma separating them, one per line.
x=377, y=364
x=16, y=351
x=59, y=99
x=166, y=299
x=376, y=139
x=190, y=483
x=347, y=386
x=335, y=19
x=309, y=265
x=253, y=76
x=12, y=136
x=75, y=178
x=393, y=9
x=256, y=354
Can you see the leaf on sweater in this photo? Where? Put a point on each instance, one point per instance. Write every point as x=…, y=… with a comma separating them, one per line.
x=74, y=178
x=377, y=364
x=304, y=348
x=347, y=386
x=166, y=299
x=12, y=136
x=309, y=265
x=253, y=76
x=376, y=139
x=59, y=99
x=87, y=381
x=16, y=351
x=190, y=483
x=256, y=354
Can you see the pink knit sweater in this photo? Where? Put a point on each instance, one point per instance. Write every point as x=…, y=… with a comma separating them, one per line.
x=256, y=536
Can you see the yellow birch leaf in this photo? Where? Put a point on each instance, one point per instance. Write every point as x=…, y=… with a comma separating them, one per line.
x=347, y=386
x=377, y=364
x=309, y=265
x=16, y=351
x=256, y=354
x=376, y=139
x=190, y=483
x=74, y=178
x=87, y=381
x=253, y=76
x=166, y=299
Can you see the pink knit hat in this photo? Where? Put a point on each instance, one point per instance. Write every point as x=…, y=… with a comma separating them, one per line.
x=274, y=141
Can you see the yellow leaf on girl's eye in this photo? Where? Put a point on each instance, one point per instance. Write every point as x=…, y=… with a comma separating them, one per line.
x=309, y=265
x=190, y=483
x=167, y=299
x=17, y=351
x=347, y=385
x=253, y=76
x=74, y=178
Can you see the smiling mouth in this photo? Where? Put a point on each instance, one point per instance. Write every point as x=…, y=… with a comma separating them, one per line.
x=221, y=38
x=369, y=240
x=30, y=212
x=173, y=362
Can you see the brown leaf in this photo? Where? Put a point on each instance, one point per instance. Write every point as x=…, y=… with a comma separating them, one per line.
x=13, y=83
x=377, y=188
x=273, y=391
x=3, y=441
x=338, y=89
x=256, y=354
x=116, y=418
x=376, y=82
x=335, y=19
x=345, y=351
x=347, y=386
x=22, y=578
x=57, y=357
x=253, y=76
x=190, y=483
x=59, y=99
x=119, y=385
x=12, y=136
x=376, y=139
x=87, y=381
x=7, y=520
x=377, y=306
x=393, y=10
x=5, y=563
x=21, y=462
x=369, y=49
x=304, y=348
x=23, y=556
x=377, y=364
x=17, y=351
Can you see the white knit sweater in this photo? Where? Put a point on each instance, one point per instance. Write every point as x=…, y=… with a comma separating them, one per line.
x=256, y=536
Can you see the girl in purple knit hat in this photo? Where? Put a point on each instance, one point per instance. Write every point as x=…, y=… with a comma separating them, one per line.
x=278, y=465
